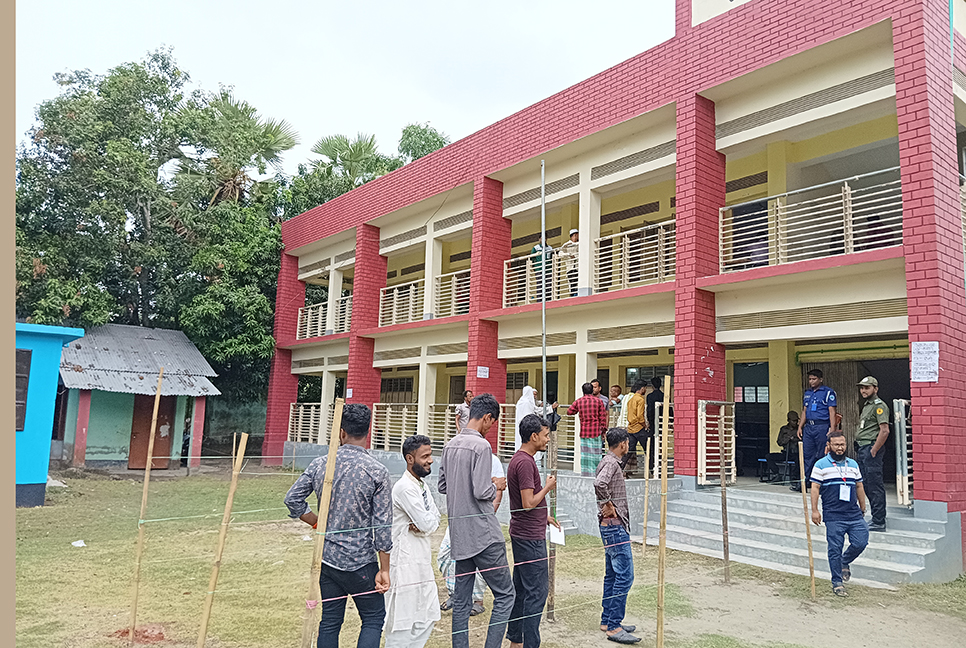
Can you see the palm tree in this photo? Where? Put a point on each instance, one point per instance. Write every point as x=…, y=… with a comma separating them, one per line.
x=358, y=160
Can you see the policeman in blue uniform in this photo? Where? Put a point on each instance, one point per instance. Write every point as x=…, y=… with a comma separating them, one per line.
x=815, y=424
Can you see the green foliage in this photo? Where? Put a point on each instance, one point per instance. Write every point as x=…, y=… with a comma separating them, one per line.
x=419, y=140
x=357, y=161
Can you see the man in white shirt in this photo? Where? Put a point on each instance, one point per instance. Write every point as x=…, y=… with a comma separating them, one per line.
x=412, y=605
x=568, y=253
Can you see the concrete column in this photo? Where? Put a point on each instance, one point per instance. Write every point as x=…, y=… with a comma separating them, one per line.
x=283, y=386
x=83, y=421
x=933, y=248
x=426, y=395
x=434, y=263
x=328, y=388
x=699, y=362
x=784, y=387
x=589, y=227
x=332, y=306
x=585, y=371
x=565, y=378
x=197, y=432
x=363, y=379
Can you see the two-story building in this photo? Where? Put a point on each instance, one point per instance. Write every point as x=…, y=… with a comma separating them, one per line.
x=776, y=187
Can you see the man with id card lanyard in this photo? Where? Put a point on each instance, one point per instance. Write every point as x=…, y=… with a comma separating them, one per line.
x=838, y=480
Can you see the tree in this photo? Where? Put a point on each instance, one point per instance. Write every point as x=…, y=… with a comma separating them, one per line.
x=419, y=140
x=357, y=161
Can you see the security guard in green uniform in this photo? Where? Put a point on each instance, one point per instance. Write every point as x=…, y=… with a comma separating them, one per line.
x=870, y=437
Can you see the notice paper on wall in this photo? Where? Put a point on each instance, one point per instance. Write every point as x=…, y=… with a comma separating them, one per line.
x=482, y=372
x=556, y=535
x=925, y=362
x=348, y=392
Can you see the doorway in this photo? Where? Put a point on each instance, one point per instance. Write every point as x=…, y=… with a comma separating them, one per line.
x=141, y=432
x=457, y=385
x=751, y=414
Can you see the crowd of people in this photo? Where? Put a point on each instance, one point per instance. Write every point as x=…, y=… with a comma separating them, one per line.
x=378, y=547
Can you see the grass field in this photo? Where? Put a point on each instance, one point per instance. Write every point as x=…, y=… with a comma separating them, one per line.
x=78, y=596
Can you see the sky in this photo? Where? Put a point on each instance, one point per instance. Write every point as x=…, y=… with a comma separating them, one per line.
x=346, y=67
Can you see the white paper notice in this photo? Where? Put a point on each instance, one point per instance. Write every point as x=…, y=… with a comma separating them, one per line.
x=482, y=372
x=762, y=394
x=925, y=362
x=556, y=535
x=348, y=392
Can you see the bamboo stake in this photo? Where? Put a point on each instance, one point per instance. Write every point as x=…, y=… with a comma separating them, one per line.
x=222, y=536
x=647, y=463
x=552, y=551
x=724, y=496
x=662, y=543
x=312, y=605
x=144, y=508
x=808, y=521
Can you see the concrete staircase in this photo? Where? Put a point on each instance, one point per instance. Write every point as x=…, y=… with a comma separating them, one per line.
x=766, y=529
x=566, y=523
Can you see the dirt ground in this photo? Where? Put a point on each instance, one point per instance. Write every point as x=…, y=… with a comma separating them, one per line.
x=264, y=576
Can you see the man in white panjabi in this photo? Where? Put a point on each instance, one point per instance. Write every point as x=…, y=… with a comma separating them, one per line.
x=412, y=603
x=526, y=405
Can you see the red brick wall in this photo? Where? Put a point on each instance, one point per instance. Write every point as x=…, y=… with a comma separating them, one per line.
x=699, y=362
x=283, y=387
x=933, y=244
x=370, y=277
x=491, y=247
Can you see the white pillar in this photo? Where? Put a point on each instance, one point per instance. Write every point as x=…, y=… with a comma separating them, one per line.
x=326, y=400
x=332, y=307
x=434, y=262
x=589, y=219
x=426, y=395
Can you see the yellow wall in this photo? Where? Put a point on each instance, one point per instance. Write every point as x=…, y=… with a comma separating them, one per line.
x=660, y=192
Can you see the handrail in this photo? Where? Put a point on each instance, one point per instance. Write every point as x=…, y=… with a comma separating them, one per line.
x=812, y=188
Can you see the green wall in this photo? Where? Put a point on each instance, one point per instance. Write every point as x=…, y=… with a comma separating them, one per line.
x=109, y=429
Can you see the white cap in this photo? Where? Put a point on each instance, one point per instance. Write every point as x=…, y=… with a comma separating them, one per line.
x=573, y=231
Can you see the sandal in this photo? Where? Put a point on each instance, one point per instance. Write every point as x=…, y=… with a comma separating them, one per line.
x=839, y=590
x=846, y=574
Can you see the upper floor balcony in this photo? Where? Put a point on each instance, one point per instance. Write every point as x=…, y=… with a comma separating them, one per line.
x=641, y=256
x=314, y=319
x=841, y=217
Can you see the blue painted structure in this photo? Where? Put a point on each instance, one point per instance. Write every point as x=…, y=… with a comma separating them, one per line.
x=33, y=442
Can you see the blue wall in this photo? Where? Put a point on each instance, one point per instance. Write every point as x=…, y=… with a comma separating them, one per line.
x=33, y=442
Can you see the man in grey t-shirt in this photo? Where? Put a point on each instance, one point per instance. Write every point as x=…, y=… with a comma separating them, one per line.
x=465, y=477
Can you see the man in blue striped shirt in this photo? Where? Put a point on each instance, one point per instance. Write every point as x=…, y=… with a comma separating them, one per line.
x=837, y=479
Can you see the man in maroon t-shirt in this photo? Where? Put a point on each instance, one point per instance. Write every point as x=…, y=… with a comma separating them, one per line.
x=528, y=532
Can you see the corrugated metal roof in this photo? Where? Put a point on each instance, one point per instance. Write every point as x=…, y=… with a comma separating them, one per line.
x=126, y=359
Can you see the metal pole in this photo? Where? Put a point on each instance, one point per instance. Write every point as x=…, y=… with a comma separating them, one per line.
x=662, y=539
x=552, y=451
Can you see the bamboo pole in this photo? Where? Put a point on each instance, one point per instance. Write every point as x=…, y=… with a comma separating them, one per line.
x=222, y=536
x=144, y=507
x=647, y=488
x=662, y=543
x=724, y=496
x=552, y=550
x=808, y=521
x=312, y=606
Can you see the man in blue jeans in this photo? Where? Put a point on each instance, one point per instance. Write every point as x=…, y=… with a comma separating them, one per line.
x=839, y=482
x=359, y=527
x=529, y=518
x=614, y=519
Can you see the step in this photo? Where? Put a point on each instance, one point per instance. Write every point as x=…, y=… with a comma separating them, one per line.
x=771, y=521
x=790, y=506
x=569, y=526
x=821, y=570
x=777, y=538
x=740, y=549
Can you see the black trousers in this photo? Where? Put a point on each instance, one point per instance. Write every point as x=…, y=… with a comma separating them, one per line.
x=531, y=584
x=871, y=468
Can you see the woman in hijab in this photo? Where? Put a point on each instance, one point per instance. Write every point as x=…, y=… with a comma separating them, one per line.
x=526, y=405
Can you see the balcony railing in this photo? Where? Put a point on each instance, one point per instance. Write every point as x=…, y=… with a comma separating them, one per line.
x=523, y=278
x=566, y=433
x=635, y=258
x=392, y=423
x=842, y=217
x=343, y=314
x=962, y=207
x=311, y=321
x=306, y=421
x=402, y=303
x=452, y=294
x=442, y=425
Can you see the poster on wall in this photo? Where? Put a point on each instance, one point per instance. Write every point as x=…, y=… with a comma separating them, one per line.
x=482, y=372
x=750, y=395
x=738, y=395
x=925, y=362
x=762, y=394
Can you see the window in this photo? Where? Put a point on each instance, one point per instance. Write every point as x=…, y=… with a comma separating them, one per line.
x=23, y=379
x=515, y=382
x=396, y=390
x=633, y=374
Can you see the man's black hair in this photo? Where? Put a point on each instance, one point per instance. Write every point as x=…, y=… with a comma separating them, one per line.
x=465, y=392
x=835, y=433
x=530, y=425
x=414, y=443
x=587, y=388
x=595, y=380
x=616, y=436
x=656, y=382
x=817, y=373
x=355, y=420
x=639, y=385
x=482, y=405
